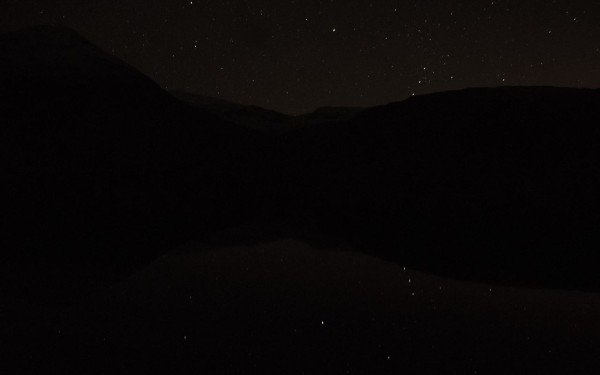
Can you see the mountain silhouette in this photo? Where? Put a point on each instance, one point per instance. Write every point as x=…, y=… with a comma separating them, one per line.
x=103, y=168
x=490, y=183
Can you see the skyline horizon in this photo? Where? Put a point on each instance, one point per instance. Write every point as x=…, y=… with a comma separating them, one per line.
x=295, y=57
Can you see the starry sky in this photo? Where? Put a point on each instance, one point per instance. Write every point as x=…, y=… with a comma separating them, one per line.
x=296, y=56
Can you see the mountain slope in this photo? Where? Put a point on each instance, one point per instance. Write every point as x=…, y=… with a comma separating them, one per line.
x=495, y=184
x=98, y=159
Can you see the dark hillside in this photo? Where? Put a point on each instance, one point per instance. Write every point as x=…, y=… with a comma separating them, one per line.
x=102, y=168
x=495, y=184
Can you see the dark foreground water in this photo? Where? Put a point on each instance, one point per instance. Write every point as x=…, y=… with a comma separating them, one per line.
x=288, y=307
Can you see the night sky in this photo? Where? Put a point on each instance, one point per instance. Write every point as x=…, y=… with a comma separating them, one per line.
x=295, y=56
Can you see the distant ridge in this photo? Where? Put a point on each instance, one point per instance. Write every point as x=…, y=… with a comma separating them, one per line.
x=265, y=120
x=250, y=116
